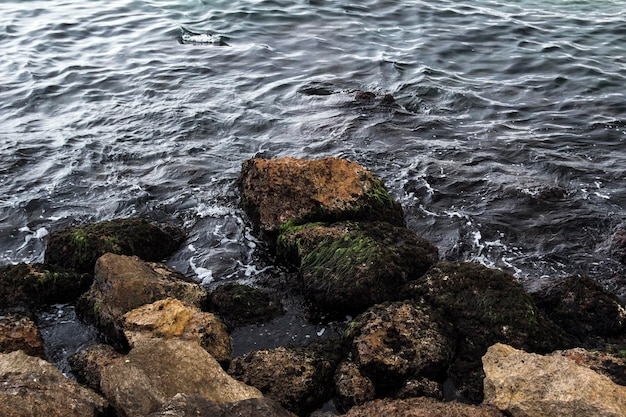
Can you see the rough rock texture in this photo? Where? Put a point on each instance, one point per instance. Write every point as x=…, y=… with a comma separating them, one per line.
x=421, y=407
x=241, y=304
x=32, y=387
x=28, y=286
x=299, y=378
x=277, y=191
x=19, y=332
x=526, y=384
x=583, y=308
x=154, y=372
x=395, y=342
x=347, y=267
x=88, y=363
x=123, y=283
x=170, y=318
x=617, y=244
x=485, y=306
x=195, y=406
x=611, y=365
x=352, y=387
x=78, y=248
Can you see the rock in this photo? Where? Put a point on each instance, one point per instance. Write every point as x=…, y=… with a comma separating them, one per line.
x=88, y=363
x=170, y=318
x=347, y=267
x=583, y=308
x=526, y=384
x=79, y=247
x=277, y=191
x=183, y=405
x=240, y=305
x=299, y=378
x=29, y=286
x=396, y=342
x=123, y=283
x=32, y=387
x=605, y=363
x=19, y=332
x=421, y=407
x=485, y=306
x=152, y=373
x=420, y=387
x=617, y=244
x=352, y=387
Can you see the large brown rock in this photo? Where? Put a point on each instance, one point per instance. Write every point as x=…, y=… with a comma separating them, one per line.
x=351, y=386
x=79, y=247
x=525, y=384
x=299, y=378
x=32, y=387
x=396, y=342
x=19, y=332
x=277, y=191
x=421, y=407
x=605, y=363
x=123, y=283
x=171, y=318
x=88, y=364
x=152, y=373
x=347, y=267
x=183, y=405
x=240, y=305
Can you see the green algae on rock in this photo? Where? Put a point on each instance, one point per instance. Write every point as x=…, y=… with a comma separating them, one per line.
x=347, y=267
x=277, y=191
x=79, y=247
x=241, y=304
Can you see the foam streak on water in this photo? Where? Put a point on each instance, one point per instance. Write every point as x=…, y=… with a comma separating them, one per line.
x=509, y=122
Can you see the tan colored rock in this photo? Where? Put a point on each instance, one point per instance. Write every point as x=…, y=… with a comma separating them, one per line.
x=88, y=363
x=421, y=407
x=276, y=191
x=604, y=363
x=19, y=332
x=171, y=318
x=530, y=385
x=153, y=373
x=32, y=387
x=123, y=283
x=193, y=405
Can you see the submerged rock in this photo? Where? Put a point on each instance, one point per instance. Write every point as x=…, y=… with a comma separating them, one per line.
x=277, y=191
x=79, y=247
x=152, y=373
x=241, y=304
x=347, y=267
x=29, y=286
x=183, y=405
x=526, y=384
x=19, y=332
x=170, y=318
x=299, y=378
x=123, y=283
x=421, y=407
x=32, y=387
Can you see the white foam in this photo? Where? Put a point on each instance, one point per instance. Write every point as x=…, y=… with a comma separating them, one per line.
x=201, y=38
x=205, y=275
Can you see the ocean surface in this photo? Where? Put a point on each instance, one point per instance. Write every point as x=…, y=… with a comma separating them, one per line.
x=506, y=142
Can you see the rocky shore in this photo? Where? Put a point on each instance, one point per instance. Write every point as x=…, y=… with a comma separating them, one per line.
x=427, y=337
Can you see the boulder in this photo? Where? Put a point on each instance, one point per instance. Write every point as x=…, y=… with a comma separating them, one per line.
x=182, y=405
x=240, y=305
x=32, y=387
x=527, y=384
x=605, y=363
x=299, y=378
x=123, y=283
x=392, y=343
x=421, y=407
x=87, y=364
x=79, y=247
x=146, y=379
x=582, y=307
x=485, y=306
x=171, y=318
x=617, y=244
x=351, y=386
x=277, y=191
x=29, y=286
x=347, y=267
x=19, y=332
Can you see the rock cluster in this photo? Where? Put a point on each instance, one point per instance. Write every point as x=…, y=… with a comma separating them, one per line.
x=423, y=330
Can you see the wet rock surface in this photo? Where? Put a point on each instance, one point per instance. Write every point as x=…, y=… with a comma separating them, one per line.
x=526, y=384
x=241, y=304
x=79, y=247
x=19, y=332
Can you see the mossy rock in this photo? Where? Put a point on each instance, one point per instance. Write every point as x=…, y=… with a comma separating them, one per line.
x=347, y=267
x=79, y=247
x=29, y=286
x=241, y=304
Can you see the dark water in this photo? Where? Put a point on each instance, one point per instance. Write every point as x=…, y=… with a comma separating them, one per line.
x=506, y=143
